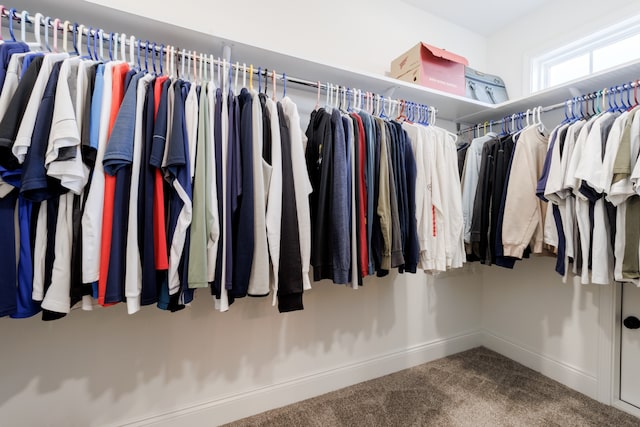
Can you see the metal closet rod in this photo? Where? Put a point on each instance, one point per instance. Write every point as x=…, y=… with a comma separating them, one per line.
x=100, y=36
x=605, y=95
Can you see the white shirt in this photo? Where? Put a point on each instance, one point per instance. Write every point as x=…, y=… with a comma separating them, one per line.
x=133, y=270
x=302, y=186
x=65, y=132
x=274, y=199
x=259, y=279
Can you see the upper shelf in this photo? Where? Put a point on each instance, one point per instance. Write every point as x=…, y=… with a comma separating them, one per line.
x=450, y=107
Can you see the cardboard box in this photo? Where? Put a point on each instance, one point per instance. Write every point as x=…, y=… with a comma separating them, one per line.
x=432, y=67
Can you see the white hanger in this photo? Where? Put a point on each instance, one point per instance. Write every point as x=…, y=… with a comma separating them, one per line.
x=116, y=38
x=101, y=42
x=36, y=29
x=244, y=75
x=123, y=45
x=56, y=25
x=79, y=34
x=211, y=64
x=65, y=35
x=132, y=44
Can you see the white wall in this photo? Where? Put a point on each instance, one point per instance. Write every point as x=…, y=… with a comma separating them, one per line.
x=363, y=35
x=107, y=368
x=553, y=25
x=530, y=315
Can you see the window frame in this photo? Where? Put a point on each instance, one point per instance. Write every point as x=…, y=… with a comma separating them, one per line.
x=541, y=64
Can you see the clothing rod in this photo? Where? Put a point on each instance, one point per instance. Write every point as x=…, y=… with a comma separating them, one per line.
x=112, y=40
x=604, y=95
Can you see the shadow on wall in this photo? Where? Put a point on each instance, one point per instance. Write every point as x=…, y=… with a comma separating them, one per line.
x=115, y=356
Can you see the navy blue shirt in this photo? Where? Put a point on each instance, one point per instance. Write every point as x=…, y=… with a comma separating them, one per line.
x=243, y=256
x=178, y=169
x=8, y=262
x=216, y=287
x=412, y=245
x=36, y=185
x=7, y=49
x=149, y=293
x=15, y=112
x=117, y=161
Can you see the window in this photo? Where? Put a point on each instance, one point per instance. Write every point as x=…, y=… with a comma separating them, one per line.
x=600, y=51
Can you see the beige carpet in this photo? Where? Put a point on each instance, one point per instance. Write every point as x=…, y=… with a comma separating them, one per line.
x=475, y=388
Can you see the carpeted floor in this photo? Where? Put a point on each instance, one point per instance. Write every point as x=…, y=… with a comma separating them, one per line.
x=475, y=388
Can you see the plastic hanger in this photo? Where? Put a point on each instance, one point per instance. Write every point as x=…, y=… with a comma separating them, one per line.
x=123, y=47
x=318, y=97
x=37, y=20
x=132, y=46
x=273, y=82
x=284, y=85
x=12, y=15
x=146, y=56
x=2, y=11
x=90, y=43
x=23, y=25
x=65, y=36
x=101, y=43
x=56, y=27
x=47, y=22
x=211, y=67
x=401, y=115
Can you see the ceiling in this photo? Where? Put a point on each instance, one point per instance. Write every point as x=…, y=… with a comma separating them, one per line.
x=472, y=14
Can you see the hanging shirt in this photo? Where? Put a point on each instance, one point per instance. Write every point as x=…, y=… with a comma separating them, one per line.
x=339, y=203
x=319, y=156
x=259, y=279
x=117, y=94
x=24, y=134
x=244, y=235
x=302, y=185
x=11, y=121
x=290, y=283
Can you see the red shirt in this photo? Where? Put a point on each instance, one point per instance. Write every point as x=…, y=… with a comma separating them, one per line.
x=159, y=222
x=361, y=188
x=117, y=94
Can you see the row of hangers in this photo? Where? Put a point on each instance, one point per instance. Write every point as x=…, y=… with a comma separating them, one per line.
x=351, y=99
x=606, y=100
x=611, y=99
x=189, y=65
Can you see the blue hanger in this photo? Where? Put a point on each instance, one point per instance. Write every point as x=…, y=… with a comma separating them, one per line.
x=12, y=16
x=110, y=46
x=153, y=58
x=162, y=57
x=88, y=42
x=349, y=94
x=146, y=56
x=138, y=55
x=75, y=38
x=382, y=113
x=96, y=38
x=629, y=103
x=284, y=84
x=259, y=79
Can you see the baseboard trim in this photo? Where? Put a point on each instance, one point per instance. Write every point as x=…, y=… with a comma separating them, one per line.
x=249, y=403
x=554, y=369
x=626, y=407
